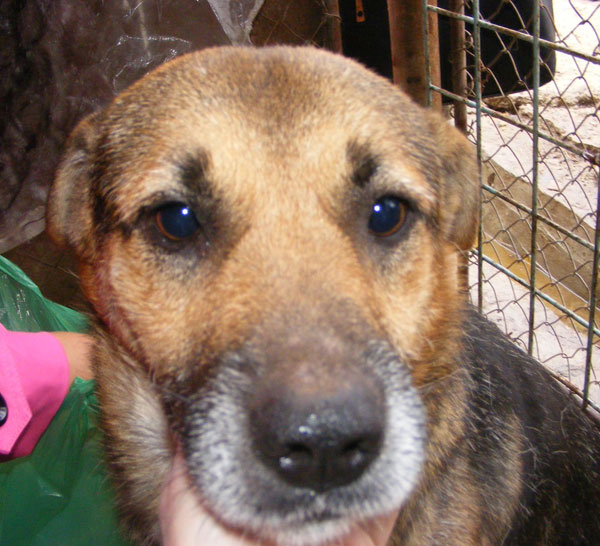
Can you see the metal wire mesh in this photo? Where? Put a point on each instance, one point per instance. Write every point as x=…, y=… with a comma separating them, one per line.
x=534, y=271
x=529, y=98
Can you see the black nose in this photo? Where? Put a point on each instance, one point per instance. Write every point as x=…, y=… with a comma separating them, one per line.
x=318, y=436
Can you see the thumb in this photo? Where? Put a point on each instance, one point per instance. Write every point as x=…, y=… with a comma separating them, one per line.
x=183, y=519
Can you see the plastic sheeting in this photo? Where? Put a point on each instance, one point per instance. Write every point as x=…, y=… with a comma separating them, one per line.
x=236, y=17
x=62, y=59
x=23, y=307
x=60, y=493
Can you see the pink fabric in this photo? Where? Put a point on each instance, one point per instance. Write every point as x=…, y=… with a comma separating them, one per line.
x=34, y=380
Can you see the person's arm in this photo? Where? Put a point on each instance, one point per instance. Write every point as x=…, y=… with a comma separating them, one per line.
x=34, y=380
x=78, y=349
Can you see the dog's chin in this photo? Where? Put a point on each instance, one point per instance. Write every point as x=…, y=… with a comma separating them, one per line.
x=339, y=531
x=327, y=529
x=312, y=534
x=322, y=530
x=314, y=525
x=374, y=531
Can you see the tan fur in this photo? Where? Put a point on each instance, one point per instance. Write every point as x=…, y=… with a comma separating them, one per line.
x=287, y=220
x=284, y=262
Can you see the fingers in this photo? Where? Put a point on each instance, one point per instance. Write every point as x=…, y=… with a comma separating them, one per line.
x=183, y=520
x=374, y=532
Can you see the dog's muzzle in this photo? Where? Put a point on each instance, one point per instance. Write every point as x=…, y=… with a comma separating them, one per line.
x=299, y=437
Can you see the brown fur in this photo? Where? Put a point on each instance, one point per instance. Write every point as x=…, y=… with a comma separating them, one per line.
x=281, y=154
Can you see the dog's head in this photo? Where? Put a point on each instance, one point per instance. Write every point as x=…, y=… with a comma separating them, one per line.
x=271, y=238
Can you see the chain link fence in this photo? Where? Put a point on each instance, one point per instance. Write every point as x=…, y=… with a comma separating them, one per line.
x=522, y=79
x=525, y=87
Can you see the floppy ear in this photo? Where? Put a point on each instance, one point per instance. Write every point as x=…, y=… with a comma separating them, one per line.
x=459, y=187
x=69, y=212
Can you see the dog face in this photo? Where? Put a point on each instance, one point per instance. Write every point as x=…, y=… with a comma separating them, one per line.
x=269, y=239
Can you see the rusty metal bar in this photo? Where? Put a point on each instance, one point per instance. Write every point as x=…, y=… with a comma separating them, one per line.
x=334, y=26
x=592, y=303
x=534, y=173
x=458, y=61
x=409, y=60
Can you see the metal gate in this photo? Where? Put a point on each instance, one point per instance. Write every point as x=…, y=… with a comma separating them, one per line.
x=522, y=79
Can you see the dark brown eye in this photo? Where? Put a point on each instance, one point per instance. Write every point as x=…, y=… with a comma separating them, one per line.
x=387, y=216
x=176, y=221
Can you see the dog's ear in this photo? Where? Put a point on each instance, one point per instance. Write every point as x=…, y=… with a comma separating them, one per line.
x=69, y=212
x=459, y=187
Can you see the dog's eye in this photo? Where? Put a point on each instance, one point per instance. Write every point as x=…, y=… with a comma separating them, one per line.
x=387, y=216
x=176, y=221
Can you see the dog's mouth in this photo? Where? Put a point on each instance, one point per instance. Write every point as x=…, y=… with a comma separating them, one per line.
x=181, y=503
x=299, y=459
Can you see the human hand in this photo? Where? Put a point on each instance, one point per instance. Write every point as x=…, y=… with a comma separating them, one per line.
x=78, y=348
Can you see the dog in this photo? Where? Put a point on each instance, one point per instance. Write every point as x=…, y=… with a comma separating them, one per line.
x=270, y=240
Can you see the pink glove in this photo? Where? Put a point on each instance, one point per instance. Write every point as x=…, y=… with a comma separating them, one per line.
x=34, y=380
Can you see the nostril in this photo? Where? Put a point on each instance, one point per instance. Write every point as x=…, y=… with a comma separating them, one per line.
x=297, y=449
x=356, y=455
x=354, y=448
x=322, y=463
x=295, y=458
x=317, y=439
x=357, y=452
